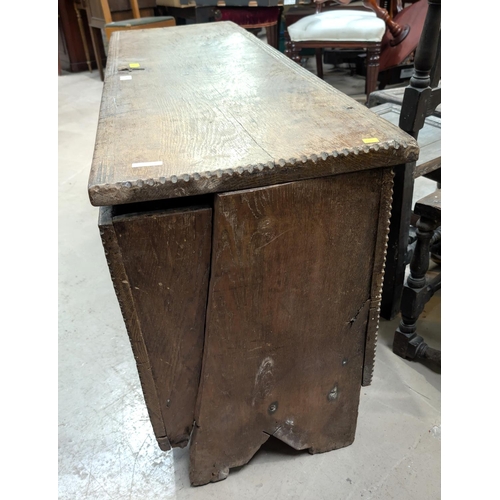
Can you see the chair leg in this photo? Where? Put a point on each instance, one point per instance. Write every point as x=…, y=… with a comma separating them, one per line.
x=319, y=63
x=372, y=67
x=291, y=49
x=417, y=292
x=98, y=46
x=272, y=35
x=397, y=246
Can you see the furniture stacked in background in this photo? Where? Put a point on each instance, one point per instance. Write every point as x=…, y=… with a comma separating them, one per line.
x=387, y=38
x=415, y=111
x=136, y=22
x=249, y=14
x=104, y=16
x=75, y=51
x=96, y=14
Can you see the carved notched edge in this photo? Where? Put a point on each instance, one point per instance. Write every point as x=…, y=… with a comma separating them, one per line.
x=249, y=175
x=378, y=275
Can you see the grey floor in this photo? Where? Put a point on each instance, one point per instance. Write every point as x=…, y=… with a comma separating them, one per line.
x=106, y=444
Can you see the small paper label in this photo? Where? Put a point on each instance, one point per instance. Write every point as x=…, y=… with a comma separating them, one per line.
x=370, y=140
x=126, y=77
x=289, y=2
x=134, y=65
x=147, y=164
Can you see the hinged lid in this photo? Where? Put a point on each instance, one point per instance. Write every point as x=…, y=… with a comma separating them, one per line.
x=209, y=107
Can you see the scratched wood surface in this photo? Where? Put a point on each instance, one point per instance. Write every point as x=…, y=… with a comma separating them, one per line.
x=429, y=138
x=215, y=109
x=296, y=271
x=163, y=257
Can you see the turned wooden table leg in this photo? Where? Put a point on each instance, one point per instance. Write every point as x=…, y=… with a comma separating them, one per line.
x=84, y=38
x=291, y=49
x=372, y=66
x=98, y=46
x=272, y=36
x=417, y=291
x=319, y=63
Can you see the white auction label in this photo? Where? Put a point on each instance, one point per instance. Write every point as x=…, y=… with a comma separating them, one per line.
x=147, y=164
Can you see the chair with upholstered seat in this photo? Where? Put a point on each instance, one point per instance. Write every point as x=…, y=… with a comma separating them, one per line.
x=253, y=18
x=345, y=28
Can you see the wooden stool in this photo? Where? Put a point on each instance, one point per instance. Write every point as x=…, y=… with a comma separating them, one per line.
x=245, y=228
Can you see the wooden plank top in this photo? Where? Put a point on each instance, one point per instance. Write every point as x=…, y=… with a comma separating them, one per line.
x=214, y=109
x=429, y=138
x=430, y=206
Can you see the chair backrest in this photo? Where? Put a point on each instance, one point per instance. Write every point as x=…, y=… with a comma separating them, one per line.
x=106, y=9
x=419, y=102
x=420, y=99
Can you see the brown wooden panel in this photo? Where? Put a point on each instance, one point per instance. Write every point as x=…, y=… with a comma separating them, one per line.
x=289, y=299
x=73, y=44
x=166, y=258
x=124, y=296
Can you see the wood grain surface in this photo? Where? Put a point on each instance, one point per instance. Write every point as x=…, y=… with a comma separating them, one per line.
x=215, y=109
x=129, y=313
x=164, y=258
x=296, y=270
x=429, y=138
x=430, y=206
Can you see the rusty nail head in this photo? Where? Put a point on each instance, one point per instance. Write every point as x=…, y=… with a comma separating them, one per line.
x=332, y=395
x=273, y=407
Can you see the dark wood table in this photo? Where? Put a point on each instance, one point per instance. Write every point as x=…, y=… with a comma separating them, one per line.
x=244, y=214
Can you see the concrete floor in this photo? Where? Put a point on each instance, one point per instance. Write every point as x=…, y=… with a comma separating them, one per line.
x=106, y=444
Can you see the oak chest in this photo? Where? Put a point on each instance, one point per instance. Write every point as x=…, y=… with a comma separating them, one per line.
x=245, y=209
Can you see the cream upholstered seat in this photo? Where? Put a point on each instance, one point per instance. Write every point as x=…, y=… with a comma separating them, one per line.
x=339, y=25
x=339, y=28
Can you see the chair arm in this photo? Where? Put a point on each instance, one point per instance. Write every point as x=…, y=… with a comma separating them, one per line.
x=399, y=33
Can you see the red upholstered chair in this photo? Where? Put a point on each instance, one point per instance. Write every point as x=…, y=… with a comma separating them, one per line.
x=253, y=18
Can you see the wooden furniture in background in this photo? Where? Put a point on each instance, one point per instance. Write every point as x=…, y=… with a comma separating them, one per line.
x=75, y=54
x=136, y=22
x=345, y=28
x=392, y=57
x=189, y=11
x=395, y=61
x=120, y=10
x=254, y=18
x=419, y=103
x=421, y=284
x=429, y=137
x=80, y=12
x=245, y=227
